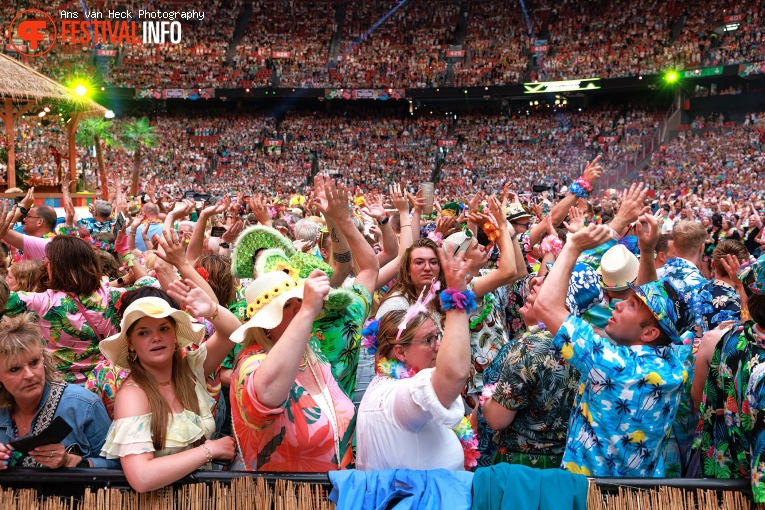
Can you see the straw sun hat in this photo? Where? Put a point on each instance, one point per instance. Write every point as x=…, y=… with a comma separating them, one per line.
x=266, y=297
x=618, y=268
x=115, y=348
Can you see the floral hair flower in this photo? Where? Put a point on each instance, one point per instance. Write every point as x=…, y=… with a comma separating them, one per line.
x=204, y=274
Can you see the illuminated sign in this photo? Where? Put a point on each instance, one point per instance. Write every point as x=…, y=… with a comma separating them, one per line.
x=700, y=73
x=561, y=86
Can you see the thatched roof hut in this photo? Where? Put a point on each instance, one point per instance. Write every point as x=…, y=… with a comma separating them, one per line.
x=21, y=87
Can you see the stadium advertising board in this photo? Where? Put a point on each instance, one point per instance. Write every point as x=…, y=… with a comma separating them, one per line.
x=745, y=70
x=544, y=87
x=734, y=18
x=377, y=94
x=192, y=94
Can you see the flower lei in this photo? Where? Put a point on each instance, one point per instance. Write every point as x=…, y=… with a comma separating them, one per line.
x=552, y=244
x=49, y=235
x=488, y=301
x=581, y=187
x=396, y=370
x=102, y=245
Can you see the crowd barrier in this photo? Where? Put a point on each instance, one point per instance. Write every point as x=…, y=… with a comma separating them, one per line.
x=79, y=489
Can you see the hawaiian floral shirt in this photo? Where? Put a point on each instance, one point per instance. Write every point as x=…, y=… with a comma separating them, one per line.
x=487, y=336
x=732, y=410
x=625, y=405
x=511, y=298
x=687, y=279
x=541, y=389
x=69, y=336
x=718, y=302
x=336, y=338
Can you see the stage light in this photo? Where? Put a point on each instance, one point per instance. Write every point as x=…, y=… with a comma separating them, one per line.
x=41, y=114
x=109, y=114
x=671, y=77
x=81, y=90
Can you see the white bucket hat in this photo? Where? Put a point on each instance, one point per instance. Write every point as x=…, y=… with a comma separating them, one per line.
x=115, y=348
x=265, y=298
x=618, y=267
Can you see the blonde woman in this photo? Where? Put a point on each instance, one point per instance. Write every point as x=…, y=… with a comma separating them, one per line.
x=163, y=408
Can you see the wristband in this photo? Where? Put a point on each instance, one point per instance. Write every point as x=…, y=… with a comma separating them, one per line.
x=581, y=187
x=384, y=221
x=23, y=210
x=452, y=299
x=223, y=245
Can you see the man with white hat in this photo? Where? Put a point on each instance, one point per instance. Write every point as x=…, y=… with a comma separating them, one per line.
x=618, y=269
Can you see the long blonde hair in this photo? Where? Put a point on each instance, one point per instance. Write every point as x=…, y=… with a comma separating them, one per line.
x=182, y=378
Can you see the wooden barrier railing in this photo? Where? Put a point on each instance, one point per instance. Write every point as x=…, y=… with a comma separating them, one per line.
x=81, y=489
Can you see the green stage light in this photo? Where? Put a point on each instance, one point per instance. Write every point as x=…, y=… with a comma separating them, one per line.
x=671, y=77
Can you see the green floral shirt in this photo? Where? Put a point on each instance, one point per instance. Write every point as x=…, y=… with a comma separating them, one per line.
x=733, y=410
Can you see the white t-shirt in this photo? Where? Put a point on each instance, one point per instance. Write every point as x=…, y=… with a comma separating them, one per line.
x=401, y=424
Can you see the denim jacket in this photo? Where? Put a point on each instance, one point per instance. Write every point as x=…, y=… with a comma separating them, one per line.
x=87, y=416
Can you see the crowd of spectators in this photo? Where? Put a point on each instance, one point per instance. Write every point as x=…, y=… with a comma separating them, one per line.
x=496, y=46
x=711, y=154
x=288, y=43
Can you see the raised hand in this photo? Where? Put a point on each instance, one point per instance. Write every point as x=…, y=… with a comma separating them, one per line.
x=455, y=270
x=592, y=170
x=230, y=236
x=195, y=300
x=648, y=232
x=373, y=207
x=576, y=220
x=315, y=292
x=173, y=251
x=399, y=199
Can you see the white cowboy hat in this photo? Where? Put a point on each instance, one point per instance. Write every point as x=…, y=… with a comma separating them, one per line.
x=115, y=348
x=265, y=298
x=618, y=267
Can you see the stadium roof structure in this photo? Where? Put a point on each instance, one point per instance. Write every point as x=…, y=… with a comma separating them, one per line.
x=21, y=87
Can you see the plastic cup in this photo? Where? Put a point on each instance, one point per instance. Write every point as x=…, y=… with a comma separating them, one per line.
x=428, y=189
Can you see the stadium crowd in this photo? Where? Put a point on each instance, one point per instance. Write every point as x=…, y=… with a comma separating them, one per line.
x=291, y=44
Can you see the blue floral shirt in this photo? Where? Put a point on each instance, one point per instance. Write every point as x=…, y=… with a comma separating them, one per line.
x=687, y=279
x=718, y=302
x=626, y=403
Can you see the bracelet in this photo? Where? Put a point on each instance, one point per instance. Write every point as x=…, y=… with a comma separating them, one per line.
x=452, y=299
x=215, y=313
x=551, y=244
x=208, y=454
x=23, y=210
x=581, y=187
x=342, y=258
x=409, y=225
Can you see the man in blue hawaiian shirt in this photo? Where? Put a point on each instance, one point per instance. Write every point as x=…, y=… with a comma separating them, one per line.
x=631, y=386
x=682, y=270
